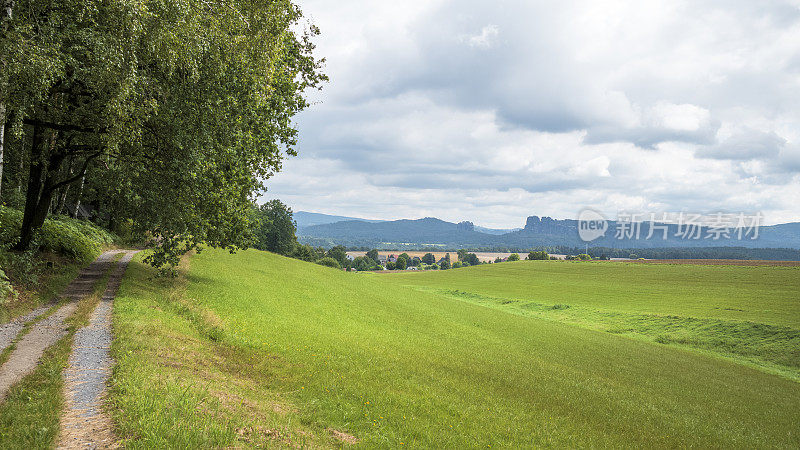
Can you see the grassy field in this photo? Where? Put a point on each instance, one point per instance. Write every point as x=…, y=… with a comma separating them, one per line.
x=750, y=314
x=254, y=349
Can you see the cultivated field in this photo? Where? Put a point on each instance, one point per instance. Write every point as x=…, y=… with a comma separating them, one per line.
x=483, y=256
x=254, y=349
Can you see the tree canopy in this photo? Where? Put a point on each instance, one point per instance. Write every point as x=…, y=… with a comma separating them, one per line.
x=274, y=228
x=172, y=113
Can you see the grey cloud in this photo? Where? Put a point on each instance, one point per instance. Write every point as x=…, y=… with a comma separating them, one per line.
x=744, y=145
x=649, y=137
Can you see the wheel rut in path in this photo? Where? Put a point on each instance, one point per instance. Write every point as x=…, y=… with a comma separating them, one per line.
x=84, y=423
x=48, y=331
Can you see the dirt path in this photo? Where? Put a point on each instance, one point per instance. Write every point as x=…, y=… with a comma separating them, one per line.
x=10, y=330
x=84, y=424
x=48, y=331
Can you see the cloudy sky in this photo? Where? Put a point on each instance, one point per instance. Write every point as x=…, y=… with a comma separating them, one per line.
x=491, y=111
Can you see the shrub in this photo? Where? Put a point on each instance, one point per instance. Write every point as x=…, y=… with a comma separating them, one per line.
x=77, y=239
x=513, y=257
x=329, y=262
x=457, y=264
x=538, y=256
x=6, y=289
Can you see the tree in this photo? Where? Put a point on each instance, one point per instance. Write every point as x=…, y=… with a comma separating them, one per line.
x=189, y=107
x=329, y=262
x=428, y=258
x=306, y=253
x=338, y=253
x=390, y=265
x=444, y=265
x=471, y=259
x=461, y=254
x=401, y=263
x=373, y=255
x=457, y=264
x=498, y=260
x=447, y=257
x=274, y=228
x=513, y=257
x=540, y=256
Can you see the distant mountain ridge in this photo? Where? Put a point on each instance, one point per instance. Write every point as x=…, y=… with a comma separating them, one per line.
x=538, y=232
x=307, y=219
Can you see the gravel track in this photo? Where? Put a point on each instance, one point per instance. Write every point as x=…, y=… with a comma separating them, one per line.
x=10, y=330
x=84, y=424
x=46, y=332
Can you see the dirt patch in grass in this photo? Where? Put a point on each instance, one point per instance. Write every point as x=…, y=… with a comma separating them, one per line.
x=343, y=437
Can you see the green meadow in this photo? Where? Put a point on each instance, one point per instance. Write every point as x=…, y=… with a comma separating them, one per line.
x=254, y=349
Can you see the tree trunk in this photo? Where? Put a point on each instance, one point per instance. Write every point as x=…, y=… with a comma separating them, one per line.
x=37, y=206
x=2, y=141
x=58, y=208
x=6, y=14
x=78, y=198
x=32, y=194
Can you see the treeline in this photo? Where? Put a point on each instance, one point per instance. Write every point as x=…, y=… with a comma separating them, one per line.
x=743, y=253
x=163, y=119
x=274, y=229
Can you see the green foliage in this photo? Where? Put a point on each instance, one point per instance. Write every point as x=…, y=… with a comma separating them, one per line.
x=338, y=253
x=6, y=289
x=538, y=256
x=584, y=257
x=457, y=264
x=470, y=259
x=362, y=263
x=373, y=255
x=513, y=257
x=329, y=262
x=76, y=239
x=428, y=258
x=402, y=262
x=390, y=265
x=176, y=113
x=444, y=265
x=274, y=228
x=307, y=253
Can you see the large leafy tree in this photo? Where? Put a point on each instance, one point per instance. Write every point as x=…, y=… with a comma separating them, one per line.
x=182, y=109
x=275, y=228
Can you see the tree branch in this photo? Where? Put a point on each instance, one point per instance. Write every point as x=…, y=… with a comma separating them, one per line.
x=80, y=173
x=62, y=127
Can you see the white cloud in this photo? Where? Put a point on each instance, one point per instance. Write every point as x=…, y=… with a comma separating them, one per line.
x=470, y=110
x=484, y=39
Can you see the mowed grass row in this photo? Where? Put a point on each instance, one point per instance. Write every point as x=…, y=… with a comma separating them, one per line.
x=749, y=314
x=257, y=349
x=763, y=294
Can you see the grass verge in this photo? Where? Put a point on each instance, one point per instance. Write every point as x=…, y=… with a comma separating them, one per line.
x=180, y=383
